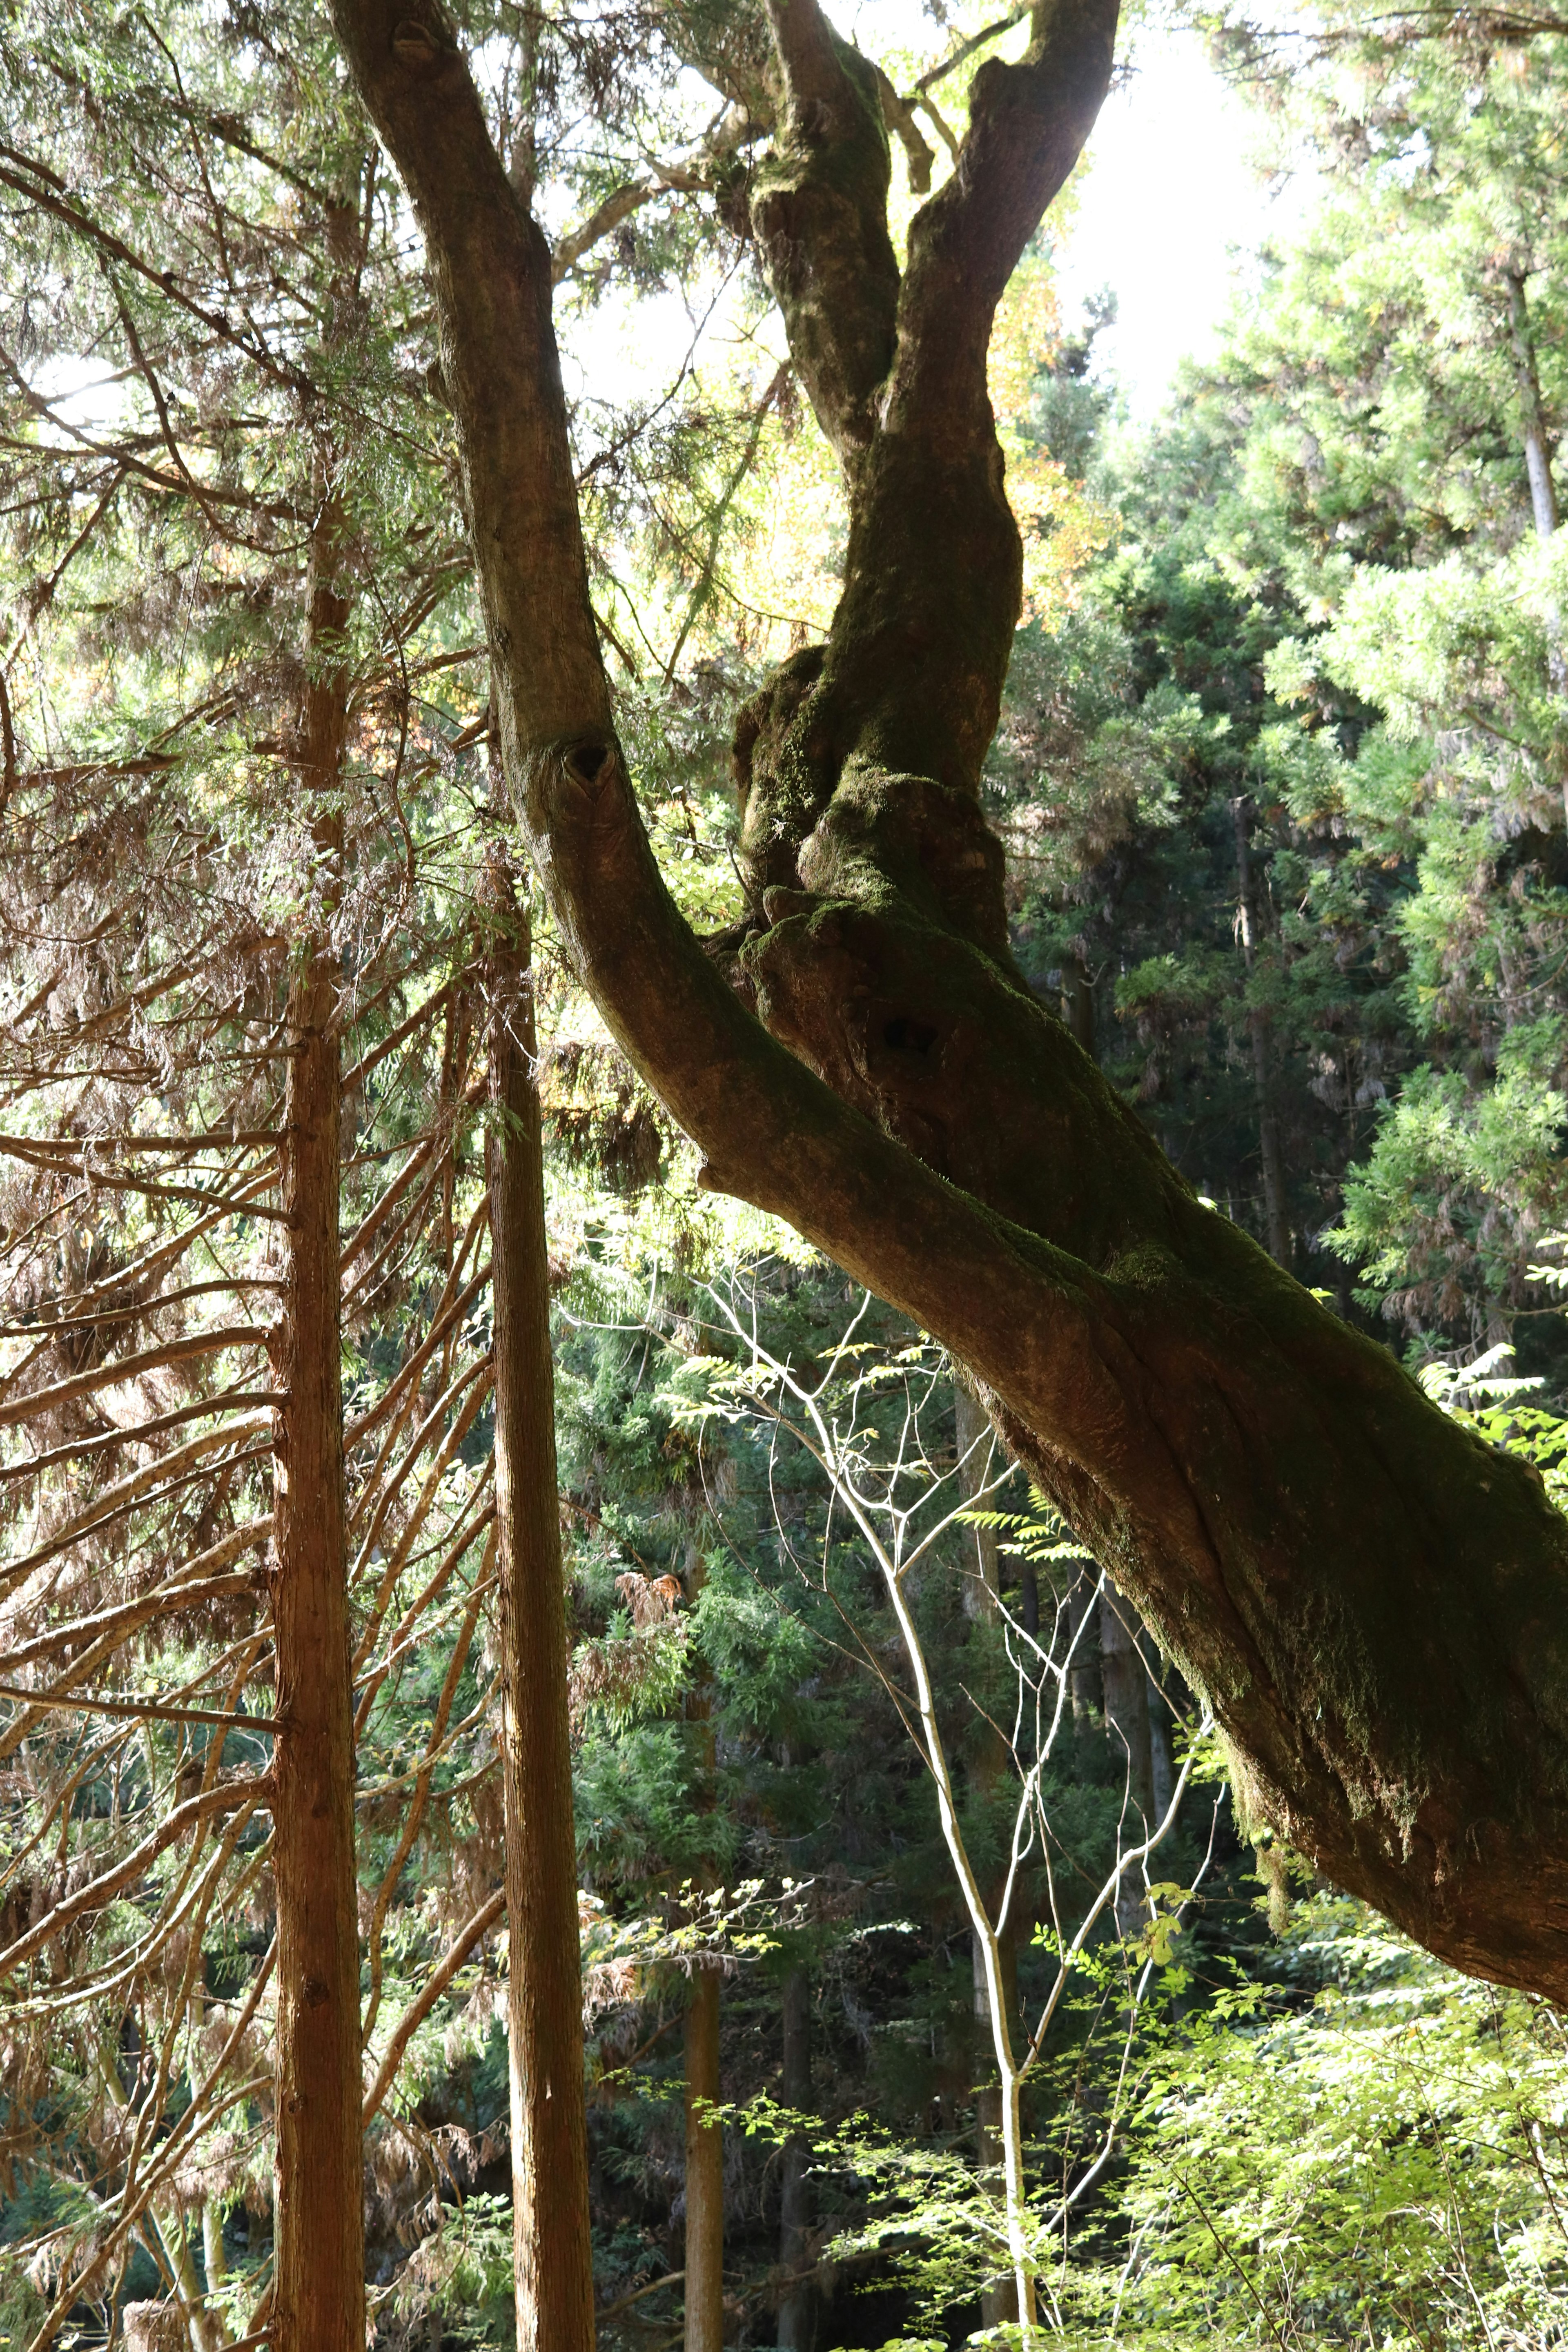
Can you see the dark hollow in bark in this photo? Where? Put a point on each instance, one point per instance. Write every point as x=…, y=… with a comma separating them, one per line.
x=1376, y=1603
x=551, y=2229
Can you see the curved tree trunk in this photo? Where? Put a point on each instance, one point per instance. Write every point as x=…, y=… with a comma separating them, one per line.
x=1376, y=1603
x=553, y=2254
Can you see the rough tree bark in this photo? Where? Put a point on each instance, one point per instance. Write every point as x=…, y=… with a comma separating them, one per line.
x=319, y=2280
x=554, y=2255
x=1377, y=1604
x=704, y=2170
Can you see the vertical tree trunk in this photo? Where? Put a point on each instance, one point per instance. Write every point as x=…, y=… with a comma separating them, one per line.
x=1543, y=504
x=1078, y=1006
x=319, y=2291
x=797, y=2304
x=553, y=2250
x=983, y=1603
x=319, y=2302
x=1533, y=421
x=1276, y=1217
x=704, y=2171
x=1125, y=1681
x=1082, y=1629
x=999, y=2294
x=978, y=1460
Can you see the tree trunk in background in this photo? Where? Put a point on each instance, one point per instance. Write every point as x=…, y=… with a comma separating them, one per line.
x=704, y=2171
x=550, y=2229
x=797, y=2304
x=319, y=2298
x=1276, y=1217
x=1543, y=505
x=1533, y=421
x=1161, y=1757
x=319, y=2281
x=1124, y=1679
x=979, y=1462
x=1078, y=1006
x=1084, y=1687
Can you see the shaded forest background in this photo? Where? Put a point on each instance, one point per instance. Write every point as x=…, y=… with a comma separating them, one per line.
x=1283, y=780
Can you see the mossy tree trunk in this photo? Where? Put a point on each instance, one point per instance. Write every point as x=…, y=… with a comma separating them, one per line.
x=1376, y=1603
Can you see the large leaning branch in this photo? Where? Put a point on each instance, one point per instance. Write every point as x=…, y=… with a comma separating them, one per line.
x=1376, y=1605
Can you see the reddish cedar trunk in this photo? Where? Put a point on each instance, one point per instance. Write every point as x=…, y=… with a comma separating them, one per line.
x=319, y=2302
x=319, y=2299
x=553, y=2252
x=704, y=2171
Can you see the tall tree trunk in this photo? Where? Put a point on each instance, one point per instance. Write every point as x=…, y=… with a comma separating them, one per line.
x=977, y=1451
x=1532, y=419
x=797, y=2304
x=551, y=2229
x=1543, y=503
x=1084, y=1685
x=979, y=1462
x=1276, y=1217
x=999, y=2294
x=704, y=2170
x=1124, y=1679
x=318, y=2293
x=1079, y=1005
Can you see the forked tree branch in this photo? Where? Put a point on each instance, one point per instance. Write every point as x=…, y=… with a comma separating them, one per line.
x=1376, y=1605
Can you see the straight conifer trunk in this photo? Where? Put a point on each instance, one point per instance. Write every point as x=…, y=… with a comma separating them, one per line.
x=318, y=2295
x=553, y=2248
x=704, y=2171
x=319, y=2302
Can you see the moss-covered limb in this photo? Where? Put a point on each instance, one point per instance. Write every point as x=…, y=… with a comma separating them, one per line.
x=1378, y=1606
x=820, y=213
x=910, y=682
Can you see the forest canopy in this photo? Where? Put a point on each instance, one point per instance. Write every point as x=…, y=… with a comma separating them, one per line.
x=784, y=1377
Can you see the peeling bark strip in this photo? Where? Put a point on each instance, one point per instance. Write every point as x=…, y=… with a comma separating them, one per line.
x=553, y=2248
x=319, y=2299
x=1377, y=1604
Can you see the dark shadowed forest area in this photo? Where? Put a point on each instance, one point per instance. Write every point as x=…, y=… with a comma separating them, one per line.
x=783, y=1189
